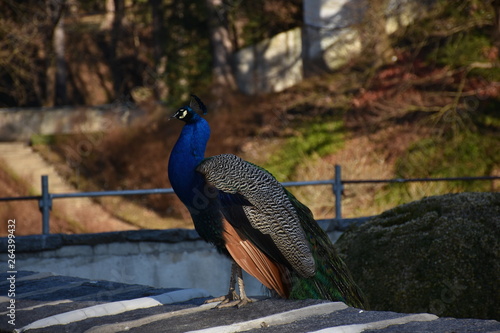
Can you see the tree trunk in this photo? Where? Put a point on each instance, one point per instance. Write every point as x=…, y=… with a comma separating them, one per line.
x=116, y=33
x=109, y=17
x=496, y=24
x=221, y=45
x=59, y=40
x=56, y=72
x=157, y=83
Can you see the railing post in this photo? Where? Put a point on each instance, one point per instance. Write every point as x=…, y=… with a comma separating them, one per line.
x=338, y=188
x=45, y=205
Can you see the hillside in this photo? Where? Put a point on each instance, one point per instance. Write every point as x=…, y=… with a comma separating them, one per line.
x=382, y=131
x=432, y=111
x=319, y=124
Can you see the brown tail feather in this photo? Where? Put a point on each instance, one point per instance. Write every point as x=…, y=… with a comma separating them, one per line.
x=254, y=262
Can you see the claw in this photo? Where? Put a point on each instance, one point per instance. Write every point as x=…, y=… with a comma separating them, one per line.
x=237, y=303
x=232, y=298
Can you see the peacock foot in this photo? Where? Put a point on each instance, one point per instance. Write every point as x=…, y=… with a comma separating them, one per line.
x=230, y=300
x=230, y=297
x=237, y=303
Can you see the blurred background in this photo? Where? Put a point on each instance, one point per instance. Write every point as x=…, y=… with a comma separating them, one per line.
x=384, y=88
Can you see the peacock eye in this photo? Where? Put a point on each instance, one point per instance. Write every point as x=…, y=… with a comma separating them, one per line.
x=182, y=113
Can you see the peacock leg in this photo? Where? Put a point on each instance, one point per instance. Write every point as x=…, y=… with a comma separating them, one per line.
x=241, y=286
x=241, y=300
x=231, y=296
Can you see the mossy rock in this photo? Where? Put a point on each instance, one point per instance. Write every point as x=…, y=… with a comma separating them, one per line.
x=440, y=255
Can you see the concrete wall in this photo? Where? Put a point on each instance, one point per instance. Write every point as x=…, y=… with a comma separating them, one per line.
x=328, y=40
x=18, y=124
x=175, y=258
x=271, y=65
x=193, y=264
x=331, y=36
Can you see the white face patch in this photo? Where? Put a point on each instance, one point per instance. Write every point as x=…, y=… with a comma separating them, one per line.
x=182, y=113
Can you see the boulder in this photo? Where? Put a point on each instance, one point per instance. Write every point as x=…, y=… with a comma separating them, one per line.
x=440, y=255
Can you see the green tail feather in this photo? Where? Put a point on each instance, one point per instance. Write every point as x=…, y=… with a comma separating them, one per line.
x=332, y=280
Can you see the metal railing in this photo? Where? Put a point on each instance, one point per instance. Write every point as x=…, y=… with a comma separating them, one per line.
x=337, y=183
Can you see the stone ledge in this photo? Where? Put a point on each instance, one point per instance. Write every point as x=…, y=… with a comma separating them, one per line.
x=35, y=243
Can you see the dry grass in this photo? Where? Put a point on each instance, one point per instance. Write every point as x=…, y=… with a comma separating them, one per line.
x=142, y=217
x=363, y=156
x=132, y=211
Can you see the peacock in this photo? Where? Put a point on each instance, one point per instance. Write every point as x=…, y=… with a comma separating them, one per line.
x=249, y=216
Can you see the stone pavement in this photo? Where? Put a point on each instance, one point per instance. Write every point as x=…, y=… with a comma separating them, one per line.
x=50, y=303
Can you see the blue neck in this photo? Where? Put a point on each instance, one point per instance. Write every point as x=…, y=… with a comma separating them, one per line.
x=187, y=153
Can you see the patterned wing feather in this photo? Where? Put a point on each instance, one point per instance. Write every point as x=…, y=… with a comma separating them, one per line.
x=269, y=211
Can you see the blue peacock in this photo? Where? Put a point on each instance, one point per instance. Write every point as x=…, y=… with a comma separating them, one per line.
x=249, y=216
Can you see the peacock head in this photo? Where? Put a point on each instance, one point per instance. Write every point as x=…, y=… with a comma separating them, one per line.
x=190, y=113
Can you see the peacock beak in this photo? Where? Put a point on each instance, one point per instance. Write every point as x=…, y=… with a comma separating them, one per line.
x=175, y=115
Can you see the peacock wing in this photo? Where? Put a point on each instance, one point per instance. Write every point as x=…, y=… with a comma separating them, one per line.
x=256, y=204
